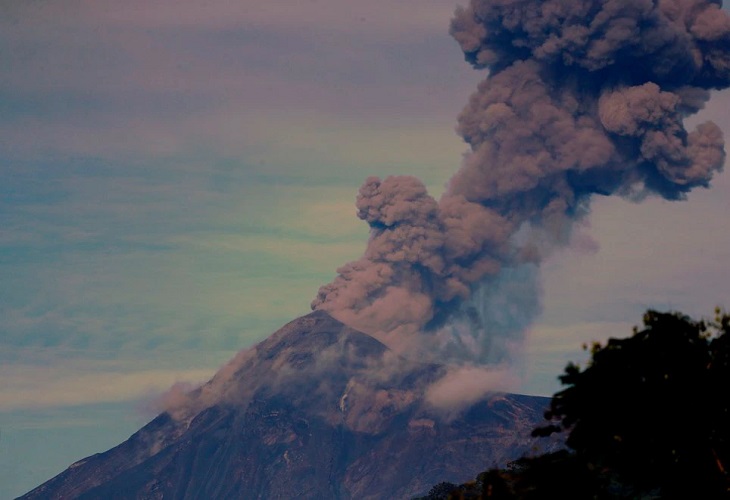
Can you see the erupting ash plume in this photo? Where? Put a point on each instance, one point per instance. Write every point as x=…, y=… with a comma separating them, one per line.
x=582, y=97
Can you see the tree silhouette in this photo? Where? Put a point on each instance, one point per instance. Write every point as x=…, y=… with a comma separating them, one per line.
x=651, y=410
x=647, y=418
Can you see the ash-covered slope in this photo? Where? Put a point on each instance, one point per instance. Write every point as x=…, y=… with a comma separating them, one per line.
x=318, y=410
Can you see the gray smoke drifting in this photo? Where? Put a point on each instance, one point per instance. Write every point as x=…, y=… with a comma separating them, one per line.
x=582, y=97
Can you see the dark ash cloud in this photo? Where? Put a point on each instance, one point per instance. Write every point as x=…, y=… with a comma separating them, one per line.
x=581, y=98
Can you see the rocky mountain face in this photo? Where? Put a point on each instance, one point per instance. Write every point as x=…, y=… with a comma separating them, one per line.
x=317, y=410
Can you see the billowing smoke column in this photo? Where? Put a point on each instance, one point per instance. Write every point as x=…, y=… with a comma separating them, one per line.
x=582, y=97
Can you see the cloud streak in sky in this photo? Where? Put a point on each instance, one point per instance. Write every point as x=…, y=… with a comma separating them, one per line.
x=75, y=382
x=155, y=79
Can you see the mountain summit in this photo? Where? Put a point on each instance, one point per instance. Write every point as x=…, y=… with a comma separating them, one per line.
x=317, y=410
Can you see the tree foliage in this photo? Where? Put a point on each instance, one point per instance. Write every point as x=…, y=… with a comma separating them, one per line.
x=652, y=409
x=648, y=417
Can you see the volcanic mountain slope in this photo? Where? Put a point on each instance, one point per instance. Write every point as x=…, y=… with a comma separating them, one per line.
x=317, y=410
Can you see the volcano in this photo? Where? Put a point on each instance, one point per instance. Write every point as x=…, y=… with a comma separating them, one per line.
x=317, y=410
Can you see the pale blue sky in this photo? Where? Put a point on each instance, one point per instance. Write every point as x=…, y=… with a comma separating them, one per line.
x=178, y=180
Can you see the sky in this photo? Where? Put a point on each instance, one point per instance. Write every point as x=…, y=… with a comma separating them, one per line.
x=177, y=179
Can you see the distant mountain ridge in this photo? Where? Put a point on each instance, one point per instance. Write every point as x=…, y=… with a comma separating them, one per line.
x=317, y=410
